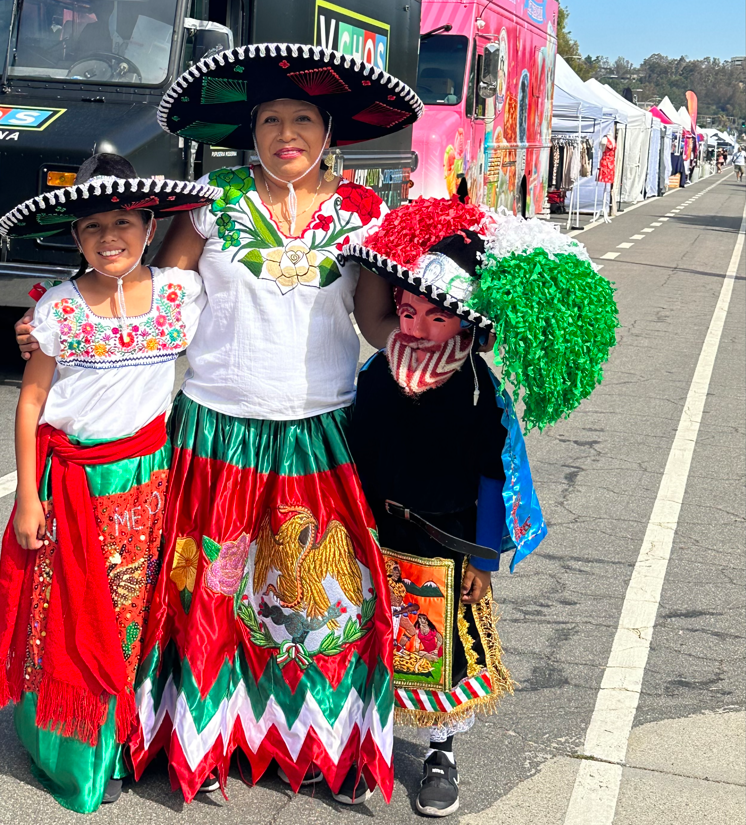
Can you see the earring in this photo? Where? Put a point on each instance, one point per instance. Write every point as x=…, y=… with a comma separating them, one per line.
x=329, y=163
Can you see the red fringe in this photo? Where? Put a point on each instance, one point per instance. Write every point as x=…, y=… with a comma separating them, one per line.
x=70, y=710
x=4, y=689
x=126, y=715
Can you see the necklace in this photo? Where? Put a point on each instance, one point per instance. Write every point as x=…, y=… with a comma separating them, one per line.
x=272, y=203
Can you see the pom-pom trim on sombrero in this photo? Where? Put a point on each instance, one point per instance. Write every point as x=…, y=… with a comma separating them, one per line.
x=365, y=102
x=52, y=212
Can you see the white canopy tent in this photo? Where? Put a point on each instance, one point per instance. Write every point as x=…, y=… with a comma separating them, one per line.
x=636, y=143
x=599, y=116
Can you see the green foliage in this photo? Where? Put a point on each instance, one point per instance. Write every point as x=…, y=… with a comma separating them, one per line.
x=210, y=547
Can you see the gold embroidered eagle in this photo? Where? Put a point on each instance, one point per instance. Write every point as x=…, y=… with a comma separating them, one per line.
x=303, y=562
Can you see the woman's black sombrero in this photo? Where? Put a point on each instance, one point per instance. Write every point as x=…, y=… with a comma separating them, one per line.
x=51, y=213
x=213, y=101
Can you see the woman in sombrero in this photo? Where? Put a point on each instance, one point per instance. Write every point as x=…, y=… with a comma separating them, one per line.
x=270, y=630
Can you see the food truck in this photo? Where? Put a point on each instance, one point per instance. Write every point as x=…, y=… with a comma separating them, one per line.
x=84, y=76
x=486, y=77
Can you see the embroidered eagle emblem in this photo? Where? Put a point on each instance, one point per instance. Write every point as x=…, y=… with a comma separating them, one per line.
x=303, y=561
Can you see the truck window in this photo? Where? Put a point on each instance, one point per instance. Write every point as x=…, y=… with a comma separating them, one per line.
x=440, y=77
x=95, y=41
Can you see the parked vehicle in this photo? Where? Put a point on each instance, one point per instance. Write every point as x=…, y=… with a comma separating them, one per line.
x=486, y=76
x=78, y=76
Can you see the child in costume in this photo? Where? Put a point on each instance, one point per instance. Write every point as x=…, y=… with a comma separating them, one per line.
x=80, y=555
x=439, y=449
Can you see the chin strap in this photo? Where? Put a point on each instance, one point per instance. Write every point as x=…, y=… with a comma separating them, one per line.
x=292, y=197
x=473, y=365
x=121, y=306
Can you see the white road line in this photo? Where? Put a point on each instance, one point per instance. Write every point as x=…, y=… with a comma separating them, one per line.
x=624, y=245
x=636, y=237
x=670, y=214
x=8, y=484
x=663, y=219
x=609, y=256
x=594, y=796
x=648, y=229
x=656, y=223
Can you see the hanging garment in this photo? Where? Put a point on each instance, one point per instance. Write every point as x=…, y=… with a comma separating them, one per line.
x=606, y=167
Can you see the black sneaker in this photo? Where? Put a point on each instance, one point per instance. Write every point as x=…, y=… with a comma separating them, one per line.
x=352, y=794
x=313, y=775
x=211, y=783
x=438, y=794
x=113, y=791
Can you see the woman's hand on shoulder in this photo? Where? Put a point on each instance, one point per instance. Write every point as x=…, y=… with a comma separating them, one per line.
x=30, y=522
x=24, y=337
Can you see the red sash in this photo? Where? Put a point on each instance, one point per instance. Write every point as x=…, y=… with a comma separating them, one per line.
x=83, y=663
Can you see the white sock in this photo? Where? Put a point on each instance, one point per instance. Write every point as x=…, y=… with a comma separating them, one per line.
x=449, y=754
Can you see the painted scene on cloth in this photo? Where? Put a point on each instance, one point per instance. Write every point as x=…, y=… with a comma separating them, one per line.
x=422, y=605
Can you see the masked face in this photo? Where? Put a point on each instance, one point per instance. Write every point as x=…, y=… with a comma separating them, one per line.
x=420, y=320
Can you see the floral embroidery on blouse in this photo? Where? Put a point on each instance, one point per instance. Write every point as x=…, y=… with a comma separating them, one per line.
x=310, y=260
x=89, y=340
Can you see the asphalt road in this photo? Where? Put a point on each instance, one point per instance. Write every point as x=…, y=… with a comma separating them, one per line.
x=597, y=475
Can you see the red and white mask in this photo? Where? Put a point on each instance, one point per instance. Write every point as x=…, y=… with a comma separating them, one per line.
x=429, y=346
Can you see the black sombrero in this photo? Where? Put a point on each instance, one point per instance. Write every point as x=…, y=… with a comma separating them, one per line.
x=52, y=212
x=431, y=246
x=213, y=101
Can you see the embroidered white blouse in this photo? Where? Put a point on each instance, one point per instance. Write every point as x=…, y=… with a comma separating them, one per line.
x=276, y=340
x=107, y=386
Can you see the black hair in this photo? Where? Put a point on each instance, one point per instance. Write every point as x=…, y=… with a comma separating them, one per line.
x=110, y=165
x=325, y=117
x=105, y=163
x=427, y=619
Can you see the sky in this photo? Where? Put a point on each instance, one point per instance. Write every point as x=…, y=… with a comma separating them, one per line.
x=637, y=28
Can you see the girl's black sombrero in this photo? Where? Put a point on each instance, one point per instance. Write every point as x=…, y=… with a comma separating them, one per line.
x=51, y=213
x=213, y=101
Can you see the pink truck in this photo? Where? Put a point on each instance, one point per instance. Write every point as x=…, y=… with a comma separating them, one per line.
x=486, y=76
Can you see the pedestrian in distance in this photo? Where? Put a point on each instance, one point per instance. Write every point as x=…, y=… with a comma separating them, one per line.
x=739, y=163
x=720, y=161
x=81, y=552
x=439, y=448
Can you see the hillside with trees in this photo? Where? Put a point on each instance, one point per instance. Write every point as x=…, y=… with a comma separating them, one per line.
x=720, y=87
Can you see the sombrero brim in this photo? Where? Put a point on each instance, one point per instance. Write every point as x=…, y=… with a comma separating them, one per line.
x=400, y=276
x=51, y=213
x=212, y=101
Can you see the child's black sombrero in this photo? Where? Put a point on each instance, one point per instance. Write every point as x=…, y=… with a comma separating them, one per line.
x=429, y=247
x=51, y=213
x=213, y=101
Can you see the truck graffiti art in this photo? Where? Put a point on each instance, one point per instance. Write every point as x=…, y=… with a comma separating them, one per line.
x=486, y=76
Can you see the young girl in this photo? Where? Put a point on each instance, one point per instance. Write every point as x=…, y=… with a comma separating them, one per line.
x=81, y=553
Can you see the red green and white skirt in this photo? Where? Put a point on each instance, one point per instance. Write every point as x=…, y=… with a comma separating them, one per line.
x=271, y=628
x=128, y=500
